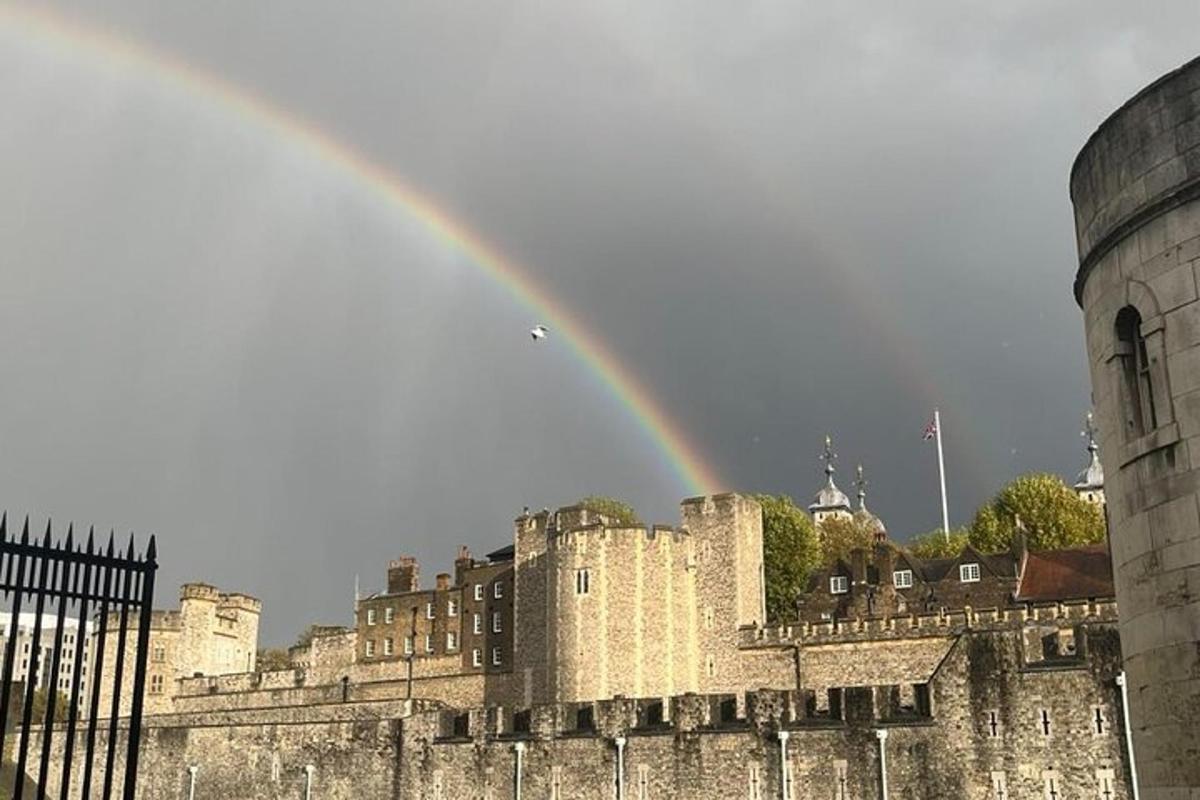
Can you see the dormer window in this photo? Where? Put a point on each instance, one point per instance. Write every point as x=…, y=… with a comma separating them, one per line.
x=839, y=584
x=968, y=573
x=902, y=579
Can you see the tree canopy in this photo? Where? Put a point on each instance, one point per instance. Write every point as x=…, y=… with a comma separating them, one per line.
x=1048, y=510
x=838, y=536
x=790, y=553
x=617, y=511
x=935, y=543
x=270, y=659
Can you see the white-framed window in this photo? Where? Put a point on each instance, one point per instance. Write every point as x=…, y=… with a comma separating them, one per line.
x=389, y=646
x=477, y=623
x=583, y=581
x=477, y=657
x=498, y=589
x=408, y=646
x=160, y=653
x=839, y=584
x=452, y=608
x=497, y=622
x=496, y=656
x=389, y=615
x=451, y=640
x=429, y=643
x=429, y=611
x=370, y=649
x=968, y=573
x=370, y=616
x=902, y=579
x=479, y=591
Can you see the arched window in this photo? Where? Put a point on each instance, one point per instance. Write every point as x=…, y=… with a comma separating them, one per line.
x=1137, y=386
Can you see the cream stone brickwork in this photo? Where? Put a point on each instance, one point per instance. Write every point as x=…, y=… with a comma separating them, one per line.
x=1136, y=192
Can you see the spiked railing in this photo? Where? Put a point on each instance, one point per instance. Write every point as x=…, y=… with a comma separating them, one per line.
x=70, y=584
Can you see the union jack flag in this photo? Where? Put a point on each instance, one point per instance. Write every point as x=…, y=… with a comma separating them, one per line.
x=930, y=430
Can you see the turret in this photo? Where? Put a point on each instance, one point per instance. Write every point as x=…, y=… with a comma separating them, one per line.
x=1089, y=484
x=830, y=502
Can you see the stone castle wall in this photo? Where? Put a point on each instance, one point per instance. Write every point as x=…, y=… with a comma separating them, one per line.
x=1136, y=192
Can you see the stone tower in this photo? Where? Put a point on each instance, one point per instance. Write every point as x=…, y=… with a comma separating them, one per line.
x=1135, y=187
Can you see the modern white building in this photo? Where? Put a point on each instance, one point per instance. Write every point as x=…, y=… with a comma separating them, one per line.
x=23, y=658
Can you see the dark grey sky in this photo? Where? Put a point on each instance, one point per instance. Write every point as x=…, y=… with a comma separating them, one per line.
x=787, y=219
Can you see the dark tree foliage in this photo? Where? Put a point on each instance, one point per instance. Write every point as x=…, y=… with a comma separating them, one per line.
x=617, y=511
x=790, y=554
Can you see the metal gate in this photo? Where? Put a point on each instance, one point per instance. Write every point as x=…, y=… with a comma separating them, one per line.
x=67, y=601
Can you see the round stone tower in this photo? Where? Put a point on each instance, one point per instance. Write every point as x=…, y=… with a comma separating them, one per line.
x=1136, y=191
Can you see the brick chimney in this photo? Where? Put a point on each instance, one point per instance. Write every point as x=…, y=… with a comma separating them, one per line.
x=404, y=575
x=443, y=581
x=462, y=564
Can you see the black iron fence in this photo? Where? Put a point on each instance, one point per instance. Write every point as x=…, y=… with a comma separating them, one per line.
x=61, y=696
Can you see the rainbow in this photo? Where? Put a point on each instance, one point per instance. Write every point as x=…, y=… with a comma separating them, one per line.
x=682, y=457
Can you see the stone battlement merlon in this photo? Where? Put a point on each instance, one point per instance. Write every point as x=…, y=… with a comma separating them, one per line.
x=761, y=711
x=949, y=623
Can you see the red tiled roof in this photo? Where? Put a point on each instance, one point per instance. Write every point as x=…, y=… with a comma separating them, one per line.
x=1075, y=574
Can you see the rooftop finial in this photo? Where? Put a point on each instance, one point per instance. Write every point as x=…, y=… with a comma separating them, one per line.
x=829, y=457
x=1092, y=478
x=861, y=483
x=1090, y=432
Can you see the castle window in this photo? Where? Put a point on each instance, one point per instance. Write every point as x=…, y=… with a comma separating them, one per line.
x=451, y=640
x=709, y=617
x=583, y=581
x=156, y=684
x=556, y=783
x=839, y=584
x=477, y=623
x=388, y=646
x=993, y=724
x=840, y=774
x=476, y=657
x=710, y=667
x=452, y=608
x=429, y=611
x=498, y=589
x=1098, y=721
x=902, y=579
x=1044, y=721
x=497, y=622
x=408, y=646
x=389, y=615
x=370, y=616
x=370, y=648
x=1137, y=387
x=968, y=573
x=643, y=782
x=496, y=656
x=160, y=653
x=755, y=783
x=1105, y=789
x=479, y=591
x=1052, y=785
x=999, y=786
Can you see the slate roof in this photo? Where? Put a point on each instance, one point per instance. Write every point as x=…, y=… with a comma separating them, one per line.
x=1076, y=574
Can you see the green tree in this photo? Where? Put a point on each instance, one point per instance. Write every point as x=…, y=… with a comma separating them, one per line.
x=1049, y=511
x=617, y=511
x=271, y=659
x=790, y=553
x=839, y=536
x=935, y=544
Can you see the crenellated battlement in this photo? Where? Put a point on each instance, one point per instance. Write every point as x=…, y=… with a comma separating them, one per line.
x=942, y=623
x=240, y=602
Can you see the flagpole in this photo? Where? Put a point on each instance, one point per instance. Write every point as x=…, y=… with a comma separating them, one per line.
x=937, y=427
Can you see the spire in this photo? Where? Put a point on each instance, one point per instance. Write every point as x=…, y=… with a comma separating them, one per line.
x=861, y=483
x=1089, y=484
x=830, y=501
x=865, y=517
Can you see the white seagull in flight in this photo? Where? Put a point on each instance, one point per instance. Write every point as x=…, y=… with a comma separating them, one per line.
x=539, y=332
